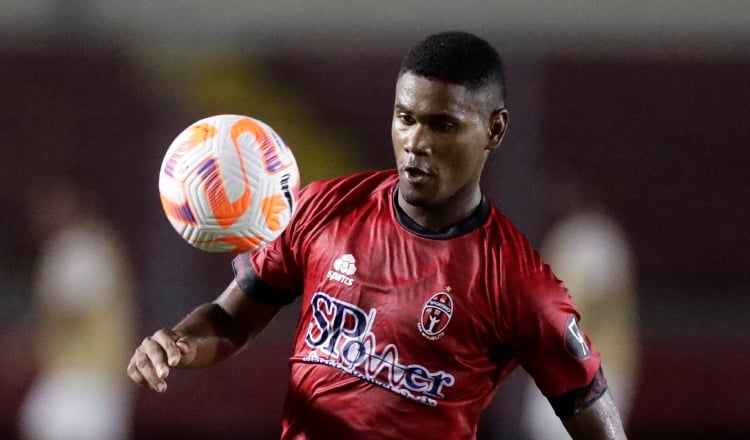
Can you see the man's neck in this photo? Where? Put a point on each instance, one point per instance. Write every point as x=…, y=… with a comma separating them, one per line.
x=447, y=228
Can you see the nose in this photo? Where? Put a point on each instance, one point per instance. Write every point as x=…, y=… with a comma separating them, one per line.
x=417, y=141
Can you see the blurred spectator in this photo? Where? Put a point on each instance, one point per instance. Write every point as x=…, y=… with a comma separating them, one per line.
x=589, y=252
x=82, y=315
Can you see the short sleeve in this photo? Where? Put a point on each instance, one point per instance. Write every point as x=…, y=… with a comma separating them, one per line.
x=277, y=267
x=250, y=282
x=548, y=339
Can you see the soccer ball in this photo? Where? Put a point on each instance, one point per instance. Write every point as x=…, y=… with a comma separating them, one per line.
x=229, y=184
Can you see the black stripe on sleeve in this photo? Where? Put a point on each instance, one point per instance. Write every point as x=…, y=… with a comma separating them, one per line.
x=254, y=287
x=573, y=402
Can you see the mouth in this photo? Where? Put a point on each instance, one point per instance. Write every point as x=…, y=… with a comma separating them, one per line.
x=416, y=174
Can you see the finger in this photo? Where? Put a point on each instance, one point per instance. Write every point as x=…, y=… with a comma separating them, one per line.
x=133, y=372
x=144, y=363
x=153, y=348
x=150, y=378
x=167, y=340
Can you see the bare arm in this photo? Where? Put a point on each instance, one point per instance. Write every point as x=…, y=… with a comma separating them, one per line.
x=209, y=334
x=600, y=421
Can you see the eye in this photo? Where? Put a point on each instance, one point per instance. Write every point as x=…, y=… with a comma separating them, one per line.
x=444, y=126
x=405, y=118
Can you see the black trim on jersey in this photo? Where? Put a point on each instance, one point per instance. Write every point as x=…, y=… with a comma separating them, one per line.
x=573, y=402
x=254, y=287
x=474, y=221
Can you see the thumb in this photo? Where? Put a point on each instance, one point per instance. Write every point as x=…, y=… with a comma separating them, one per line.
x=188, y=347
x=183, y=345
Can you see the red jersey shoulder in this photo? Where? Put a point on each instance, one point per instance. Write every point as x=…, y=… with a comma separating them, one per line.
x=527, y=283
x=324, y=202
x=353, y=186
x=323, y=199
x=519, y=256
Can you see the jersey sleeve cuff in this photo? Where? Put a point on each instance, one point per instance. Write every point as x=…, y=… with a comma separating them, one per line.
x=573, y=402
x=254, y=287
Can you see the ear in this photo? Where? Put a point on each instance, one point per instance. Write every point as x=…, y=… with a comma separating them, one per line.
x=498, y=124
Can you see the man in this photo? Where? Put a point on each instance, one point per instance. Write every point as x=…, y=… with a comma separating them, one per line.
x=83, y=292
x=418, y=297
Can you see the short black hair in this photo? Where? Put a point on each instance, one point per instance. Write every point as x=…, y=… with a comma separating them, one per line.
x=457, y=57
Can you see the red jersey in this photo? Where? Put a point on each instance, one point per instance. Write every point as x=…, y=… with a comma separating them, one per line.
x=405, y=333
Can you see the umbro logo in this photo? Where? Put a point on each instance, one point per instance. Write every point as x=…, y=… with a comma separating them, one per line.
x=343, y=268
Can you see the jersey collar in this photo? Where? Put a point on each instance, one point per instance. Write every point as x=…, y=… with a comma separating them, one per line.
x=474, y=221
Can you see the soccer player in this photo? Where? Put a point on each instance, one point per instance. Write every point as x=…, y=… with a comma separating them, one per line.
x=418, y=296
x=83, y=292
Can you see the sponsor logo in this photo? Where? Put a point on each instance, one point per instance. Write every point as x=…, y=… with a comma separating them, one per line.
x=575, y=342
x=343, y=266
x=340, y=335
x=436, y=314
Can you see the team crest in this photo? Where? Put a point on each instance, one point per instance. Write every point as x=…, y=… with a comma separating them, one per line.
x=436, y=314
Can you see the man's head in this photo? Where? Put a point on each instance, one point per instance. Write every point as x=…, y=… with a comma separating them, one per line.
x=449, y=113
x=458, y=58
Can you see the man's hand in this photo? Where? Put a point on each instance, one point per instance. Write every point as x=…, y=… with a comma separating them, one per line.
x=152, y=360
x=211, y=333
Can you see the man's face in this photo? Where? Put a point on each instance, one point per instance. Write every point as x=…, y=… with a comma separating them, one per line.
x=442, y=134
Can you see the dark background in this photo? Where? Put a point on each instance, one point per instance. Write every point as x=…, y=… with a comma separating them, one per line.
x=661, y=133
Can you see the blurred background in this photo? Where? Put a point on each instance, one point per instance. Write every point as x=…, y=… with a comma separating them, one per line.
x=633, y=113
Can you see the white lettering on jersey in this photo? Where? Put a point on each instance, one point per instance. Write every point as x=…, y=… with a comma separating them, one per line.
x=343, y=266
x=339, y=335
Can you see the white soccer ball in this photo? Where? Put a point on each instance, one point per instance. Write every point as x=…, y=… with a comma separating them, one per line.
x=229, y=183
